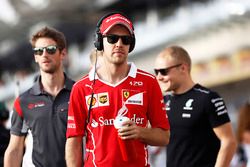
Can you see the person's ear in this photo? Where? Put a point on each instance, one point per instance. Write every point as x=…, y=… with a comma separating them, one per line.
x=185, y=67
x=64, y=53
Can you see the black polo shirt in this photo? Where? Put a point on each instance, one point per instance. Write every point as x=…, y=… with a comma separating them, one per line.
x=46, y=117
x=192, y=117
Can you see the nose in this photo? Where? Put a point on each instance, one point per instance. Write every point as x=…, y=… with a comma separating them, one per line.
x=45, y=53
x=119, y=42
x=159, y=76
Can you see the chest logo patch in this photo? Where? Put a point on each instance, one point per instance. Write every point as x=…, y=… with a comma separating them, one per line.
x=186, y=115
x=188, y=105
x=167, y=105
x=126, y=94
x=94, y=124
x=103, y=99
x=100, y=99
x=35, y=105
x=93, y=101
x=132, y=97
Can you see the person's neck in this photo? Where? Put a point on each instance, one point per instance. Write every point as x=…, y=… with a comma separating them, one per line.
x=52, y=83
x=185, y=86
x=113, y=73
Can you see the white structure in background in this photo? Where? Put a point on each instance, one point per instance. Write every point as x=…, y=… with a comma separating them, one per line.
x=27, y=158
x=38, y=4
x=8, y=13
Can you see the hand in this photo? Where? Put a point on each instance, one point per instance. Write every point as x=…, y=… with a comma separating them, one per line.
x=129, y=130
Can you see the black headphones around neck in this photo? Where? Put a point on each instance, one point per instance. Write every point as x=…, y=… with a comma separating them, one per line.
x=98, y=35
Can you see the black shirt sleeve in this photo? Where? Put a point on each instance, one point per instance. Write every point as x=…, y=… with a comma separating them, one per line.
x=216, y=110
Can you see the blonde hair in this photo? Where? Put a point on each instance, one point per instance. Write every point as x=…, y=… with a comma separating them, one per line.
x=178, y=54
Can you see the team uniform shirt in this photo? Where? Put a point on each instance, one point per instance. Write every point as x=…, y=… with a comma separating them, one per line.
x=46, y=117
x=192, y=117
x=139, y=94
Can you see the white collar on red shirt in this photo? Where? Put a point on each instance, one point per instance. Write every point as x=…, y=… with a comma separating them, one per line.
x=132, y=72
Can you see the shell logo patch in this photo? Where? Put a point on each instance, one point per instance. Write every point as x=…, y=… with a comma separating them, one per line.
x=93, y=101
x=100, y=99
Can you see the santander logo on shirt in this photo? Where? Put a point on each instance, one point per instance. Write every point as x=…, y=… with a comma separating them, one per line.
x=128, y=96
x=110, y=122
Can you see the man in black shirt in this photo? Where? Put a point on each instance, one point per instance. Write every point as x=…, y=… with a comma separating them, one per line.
x=43, y=108
x=201, y=132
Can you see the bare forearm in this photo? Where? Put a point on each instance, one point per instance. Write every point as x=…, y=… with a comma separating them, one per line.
x=73, y=152
x=226, y=153
x=147, y=135
x=228, y=144
x=154, y=136
x=14, y=153
x=13, y=158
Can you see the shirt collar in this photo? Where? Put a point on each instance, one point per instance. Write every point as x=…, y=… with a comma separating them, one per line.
x=132, y=72
x=68, y=84
x=37, y=87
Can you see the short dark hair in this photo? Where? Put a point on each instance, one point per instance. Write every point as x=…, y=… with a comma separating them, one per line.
x=52, y=33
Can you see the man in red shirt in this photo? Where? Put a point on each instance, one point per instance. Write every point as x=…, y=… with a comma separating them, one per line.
x=113, y=92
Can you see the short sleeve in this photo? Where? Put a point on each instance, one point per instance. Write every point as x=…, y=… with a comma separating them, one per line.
x=18, y=125
x=157, y=114
x=216, y=110
x=76, y=113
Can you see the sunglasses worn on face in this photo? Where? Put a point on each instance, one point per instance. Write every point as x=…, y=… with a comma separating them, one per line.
x=49, y=49
x=112, y=39
x=165, y=71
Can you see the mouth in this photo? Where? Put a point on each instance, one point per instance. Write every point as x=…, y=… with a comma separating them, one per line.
x=46, y=62
x=118, y=53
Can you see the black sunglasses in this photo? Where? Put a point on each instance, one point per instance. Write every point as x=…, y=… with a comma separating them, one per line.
x=165, y=71
x=112, y=39
x=49, y=49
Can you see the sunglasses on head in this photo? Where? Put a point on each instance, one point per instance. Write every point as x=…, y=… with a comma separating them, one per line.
x=112, y=39
x=49, y=49
x=165, y=71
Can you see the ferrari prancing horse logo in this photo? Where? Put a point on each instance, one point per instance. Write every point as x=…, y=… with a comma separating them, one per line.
x=126, y=94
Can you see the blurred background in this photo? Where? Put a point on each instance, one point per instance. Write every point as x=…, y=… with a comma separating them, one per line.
x=214, y=32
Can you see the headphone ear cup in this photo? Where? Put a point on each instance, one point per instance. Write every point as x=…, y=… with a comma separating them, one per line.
x=98, y=41
x=98, y=36
x=132, y=45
